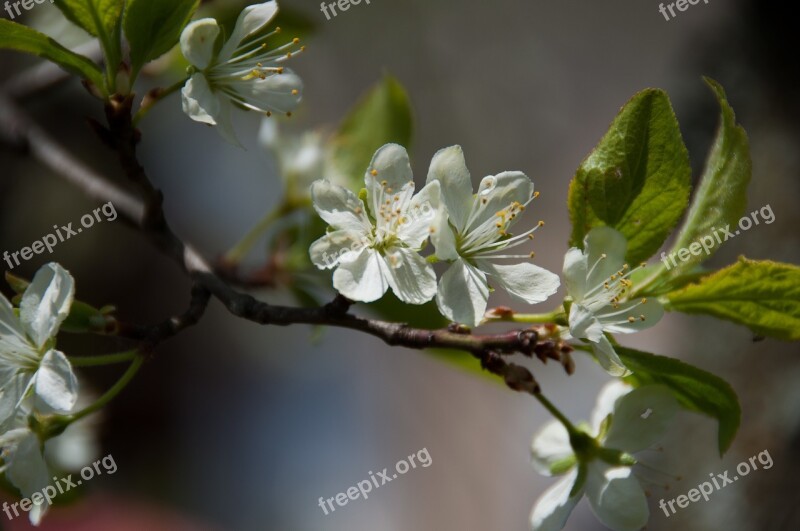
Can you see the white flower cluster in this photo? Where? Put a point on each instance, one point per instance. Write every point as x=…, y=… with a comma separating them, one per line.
x=378, y=243
x=36, y=379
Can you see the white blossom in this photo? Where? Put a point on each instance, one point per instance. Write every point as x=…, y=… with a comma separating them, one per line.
x=244, y=71
x=625, y=421
x=598, y=281
x=375, y=248
x=476, y=235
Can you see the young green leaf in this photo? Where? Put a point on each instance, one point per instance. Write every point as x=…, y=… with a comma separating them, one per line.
x=762, y=295
x=695, y=389
x=721, y=197
x=100, y=18
x=153, y=27
x=636, y=180
x=382, y=116
x=15, y=36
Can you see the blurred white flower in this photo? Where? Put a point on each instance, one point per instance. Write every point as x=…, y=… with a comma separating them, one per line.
x=301, y=159
x=597, y=280
x=477, y=236
x=29, y=364
x=23, y=464
x=243, y=72
x=370, y=257
x=599, y=463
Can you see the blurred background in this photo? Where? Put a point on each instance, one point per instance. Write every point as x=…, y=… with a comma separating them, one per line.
x=238, y=427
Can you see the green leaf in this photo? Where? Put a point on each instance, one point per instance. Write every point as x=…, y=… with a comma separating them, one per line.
x=636, y=180
x=762, y=295
x=721, y=197
x=695, y=389
x=100, y=18
x=15, y=36
x=382, y=116
x=153, y=27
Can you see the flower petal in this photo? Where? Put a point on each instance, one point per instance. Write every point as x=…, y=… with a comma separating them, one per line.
x=197, y=42
x=13, y=341
x=363, y=279
x=199, y=101
x=46, y=302
x=641, y=418
x=411, y=276
x=339, y=207
x=608, y=358
x=279, y=93
x=392, y=167
x=27, y=469
x=604, y=404
x=616, y=320
x=336, y=246
x=524, y=281
x=550, y=447
x=496, y=193
x=604, y=241
x=450, y=169
x=12, y=389
x=422, y=217
x=463, y=293
x=575, y=271
x=55, y=385
x=251, y=19
x=583, y=324
x=552, y=509
x=616, y=497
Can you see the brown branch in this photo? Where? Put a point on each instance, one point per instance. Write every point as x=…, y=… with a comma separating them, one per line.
x=17, y=130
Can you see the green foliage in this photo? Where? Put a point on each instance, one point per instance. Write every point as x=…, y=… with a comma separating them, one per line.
x=382, y=116
x=695, y=389
x=762, y=295
x=721, y=197
x=15, y=36
x=153, y=27
x=100, y=18
x=636, y=180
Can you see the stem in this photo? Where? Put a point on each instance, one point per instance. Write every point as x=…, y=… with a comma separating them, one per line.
x=154, y=97
x=108, y=359
x=111, y=393
x=556, y=316
x=240, y=250
x=556, y=413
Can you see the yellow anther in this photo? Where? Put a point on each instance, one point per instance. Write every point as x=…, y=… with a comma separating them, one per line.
x=295, y=92
x=532, y=254
x=541, y=223
x=603, y=256
x=641, y=317
x=295, y=40
x=374, y=173
x=530, y=236
x=631, y=319
x=644, y=301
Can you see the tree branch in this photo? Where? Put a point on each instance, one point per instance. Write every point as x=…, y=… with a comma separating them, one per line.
x=18, y=131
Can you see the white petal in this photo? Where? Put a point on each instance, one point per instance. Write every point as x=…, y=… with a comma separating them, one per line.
x=197, y=41
x=550, y=447
x=411, y=276
x=26, y=467
x=450, y=169
x=575, y=271
x=616, y=497
x=363, y=279
x=604, y=241
x=12, y=390
x=199, y=101
x=641, y=418
x=498, y=192
x=391, y=166
x=55, y=387
x=552, y=509
x=13, y=341
x=604, y=404
x=422, y=216
x=583, y=324
x=524, y=281
x=339, y=207
x=608, y=358
x=46, y=302
x=337, y=246
x=463, y=293
x=279, y=93
x=269, y=136
x=615, y=320
x=225, y=123
x=443, y=239
x=251, y=19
